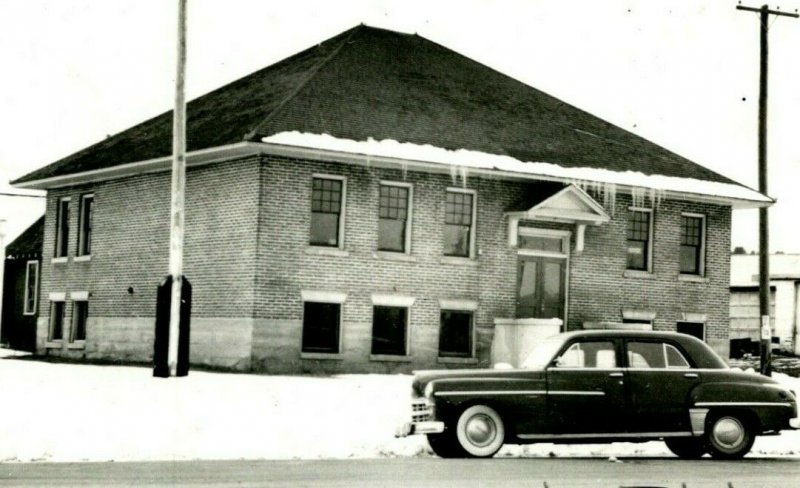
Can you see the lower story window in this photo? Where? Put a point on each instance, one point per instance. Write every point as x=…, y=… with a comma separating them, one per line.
x=80, y=312
x=389, y=325
x=321, y=327
x=455, y=334
x=696, y=329
x=56, y=332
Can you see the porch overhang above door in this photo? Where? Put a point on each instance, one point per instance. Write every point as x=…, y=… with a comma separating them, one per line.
x=553, y=202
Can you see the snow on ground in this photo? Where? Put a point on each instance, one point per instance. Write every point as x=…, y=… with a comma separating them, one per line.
x=466, y=159
x=75, y=412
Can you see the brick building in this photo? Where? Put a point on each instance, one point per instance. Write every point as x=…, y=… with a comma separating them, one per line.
x=316, y=242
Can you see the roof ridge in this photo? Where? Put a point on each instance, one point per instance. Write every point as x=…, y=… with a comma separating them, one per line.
x=313, y=73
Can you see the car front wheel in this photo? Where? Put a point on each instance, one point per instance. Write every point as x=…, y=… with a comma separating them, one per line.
x=445, y=445
x=729, y=436
x=686, y=447
x=480, y=431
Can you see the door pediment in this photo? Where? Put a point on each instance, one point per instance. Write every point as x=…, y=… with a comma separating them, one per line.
x=570, y=204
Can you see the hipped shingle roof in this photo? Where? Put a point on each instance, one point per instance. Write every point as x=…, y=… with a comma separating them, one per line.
x=373, y=83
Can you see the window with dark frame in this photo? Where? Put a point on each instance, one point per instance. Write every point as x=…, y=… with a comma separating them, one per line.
x=393, y=218
x=638, y=243
x=62, y=228
x=458, y=224
x=85, y=225
x=691, y=245
x=326, y=208
x=455, y=334
x=80, y=313
x=321, y=322
x=695, y=329
x=56, y=321
x=389, y=330
x=31, y=287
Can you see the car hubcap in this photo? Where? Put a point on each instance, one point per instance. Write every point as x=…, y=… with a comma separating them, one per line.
x=480, y=430
x=728, y=432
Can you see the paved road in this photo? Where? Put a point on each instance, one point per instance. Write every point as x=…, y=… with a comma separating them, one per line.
x=414, y=472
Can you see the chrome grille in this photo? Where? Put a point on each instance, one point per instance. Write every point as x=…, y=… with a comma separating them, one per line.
x=421, y=410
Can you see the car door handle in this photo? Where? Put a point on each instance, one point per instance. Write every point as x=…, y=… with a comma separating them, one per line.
x=690, y=375
x=616, y=375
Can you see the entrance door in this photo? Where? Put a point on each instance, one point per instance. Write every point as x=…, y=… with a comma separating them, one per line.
x=540, y=287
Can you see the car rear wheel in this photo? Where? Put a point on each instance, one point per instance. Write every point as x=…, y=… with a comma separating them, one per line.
x=686, y=447
x=480, y=431
x=729, y=436
x=445, y=445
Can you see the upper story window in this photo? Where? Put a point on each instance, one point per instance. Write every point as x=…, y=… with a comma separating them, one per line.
x=85, y=225
x=31, y=287
x=692, y=244
x=459, y=228
x=327, y=202
x=62, y=227
x=640, y=239
x=394, y=211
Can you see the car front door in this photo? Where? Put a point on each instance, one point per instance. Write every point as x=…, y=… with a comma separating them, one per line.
x=660, y=378
x=586, y=389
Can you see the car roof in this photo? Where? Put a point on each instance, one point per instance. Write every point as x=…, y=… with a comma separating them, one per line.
x=701, y=353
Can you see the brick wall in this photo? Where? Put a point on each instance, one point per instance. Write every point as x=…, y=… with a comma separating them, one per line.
x=598, y=291
x=247, y=256
x=130, y=253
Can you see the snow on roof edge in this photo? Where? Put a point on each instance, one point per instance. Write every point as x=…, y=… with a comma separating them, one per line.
x=481, y=160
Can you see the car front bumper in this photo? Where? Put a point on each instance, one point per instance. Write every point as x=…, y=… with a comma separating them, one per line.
x=425, y=427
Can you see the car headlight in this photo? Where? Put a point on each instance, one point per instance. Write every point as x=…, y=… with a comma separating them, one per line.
x=428, y=390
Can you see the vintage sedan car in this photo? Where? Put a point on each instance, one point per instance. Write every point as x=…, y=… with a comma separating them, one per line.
x=602, y=386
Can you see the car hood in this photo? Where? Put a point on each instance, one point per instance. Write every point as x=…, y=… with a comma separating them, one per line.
x=423, y=378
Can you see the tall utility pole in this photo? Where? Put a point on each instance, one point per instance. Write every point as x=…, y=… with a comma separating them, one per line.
x=178, y=186
x=763, y=212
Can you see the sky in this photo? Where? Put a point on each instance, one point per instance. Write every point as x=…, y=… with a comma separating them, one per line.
x=681, y=74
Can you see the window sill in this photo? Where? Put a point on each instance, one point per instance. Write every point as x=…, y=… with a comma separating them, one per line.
x=692, y=278
x=635, y=273
x=321, y=355
x=54, y=344
x=77, y=345
x=79, y=259
x=459, y=261
x=327, y=251
x=60, y=260
x=442, y=360
x=394, y=256
x=390, y=357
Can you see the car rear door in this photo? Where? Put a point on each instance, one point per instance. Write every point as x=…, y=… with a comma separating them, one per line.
x=586, y=389
x=660, y=378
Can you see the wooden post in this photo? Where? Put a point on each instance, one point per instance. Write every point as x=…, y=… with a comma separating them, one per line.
x=763, y=212
x=178, y=187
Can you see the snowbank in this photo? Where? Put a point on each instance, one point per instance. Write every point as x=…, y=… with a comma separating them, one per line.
x=466, y=159
x=70, y=412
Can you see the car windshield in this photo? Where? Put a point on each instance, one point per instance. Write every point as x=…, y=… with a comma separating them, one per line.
x=543, y=353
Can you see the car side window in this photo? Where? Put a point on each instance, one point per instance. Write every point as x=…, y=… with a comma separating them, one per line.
x=655, y=355
x=589, y=355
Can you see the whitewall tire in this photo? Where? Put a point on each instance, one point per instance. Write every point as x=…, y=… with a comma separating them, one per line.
x=480, y=431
